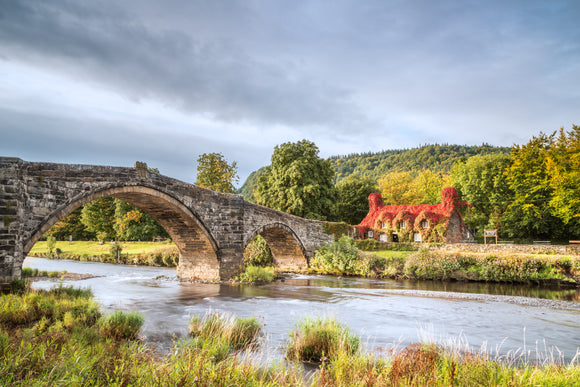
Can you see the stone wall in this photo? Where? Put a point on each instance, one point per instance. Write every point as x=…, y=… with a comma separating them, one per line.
x=210, y=229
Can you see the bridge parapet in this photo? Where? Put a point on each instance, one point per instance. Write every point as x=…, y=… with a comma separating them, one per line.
x=210, y=229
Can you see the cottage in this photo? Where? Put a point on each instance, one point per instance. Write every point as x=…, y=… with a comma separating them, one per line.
x=418, y=223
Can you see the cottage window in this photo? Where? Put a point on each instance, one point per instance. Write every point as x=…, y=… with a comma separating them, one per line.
x=402, y=224
x=384, y=225
x=370, y=234
x=383, y=237
x=424, y=223
x=417, y=237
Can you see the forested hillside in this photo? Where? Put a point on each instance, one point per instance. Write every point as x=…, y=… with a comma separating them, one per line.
x=437, y=158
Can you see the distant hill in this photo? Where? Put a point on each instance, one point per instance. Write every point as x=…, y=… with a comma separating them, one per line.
x=437, y=158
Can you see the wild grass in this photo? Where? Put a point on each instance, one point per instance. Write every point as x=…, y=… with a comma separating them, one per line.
x=223, y=335
x=56, y=337
x=131, y=253
x=253, y=274
x=318, y=339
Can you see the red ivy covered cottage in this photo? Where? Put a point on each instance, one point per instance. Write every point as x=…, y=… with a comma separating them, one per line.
x=419, y=223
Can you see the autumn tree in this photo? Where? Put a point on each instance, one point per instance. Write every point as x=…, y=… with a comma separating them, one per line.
x=421, y=187
x=215, y=173
x=529, y=214
x=563, y=169
x=298, y=181
x=70, y=225
x=352, y=203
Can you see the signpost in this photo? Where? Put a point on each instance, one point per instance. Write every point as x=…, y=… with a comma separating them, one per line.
x=489, y=234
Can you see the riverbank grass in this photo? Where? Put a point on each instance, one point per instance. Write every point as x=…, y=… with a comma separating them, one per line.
x=133, y=253
x=60, y=337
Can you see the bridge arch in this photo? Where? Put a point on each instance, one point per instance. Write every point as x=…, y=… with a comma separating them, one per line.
x=287, y=249
x=198, y=250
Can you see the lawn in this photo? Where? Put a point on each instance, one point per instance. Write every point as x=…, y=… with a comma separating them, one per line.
x=94, y=248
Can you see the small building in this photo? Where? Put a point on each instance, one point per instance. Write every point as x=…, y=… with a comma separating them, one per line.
x=415, y=223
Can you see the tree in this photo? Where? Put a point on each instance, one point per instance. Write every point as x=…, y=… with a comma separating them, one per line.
x=132, y=224
x=298, y=181
x=214, y=172
x=99, y=217
x=70, y=225
x=398, y=188
x=529, y=214
x=353, y=193
x=563, y=168
x=481, y=182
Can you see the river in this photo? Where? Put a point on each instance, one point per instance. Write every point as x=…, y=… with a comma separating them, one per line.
x=386, y=314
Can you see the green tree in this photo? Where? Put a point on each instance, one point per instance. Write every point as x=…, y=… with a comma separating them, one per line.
x=215, y=173
x=353, y=193
x=132, y=224
x=563, y=168
x=70, y=225
x=398, y=188
x=298, y=181
x=529, y=215
x=428, y=185
x=481, y=181
x=99, y=217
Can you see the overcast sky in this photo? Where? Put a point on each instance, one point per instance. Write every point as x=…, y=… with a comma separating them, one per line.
x=112, y=82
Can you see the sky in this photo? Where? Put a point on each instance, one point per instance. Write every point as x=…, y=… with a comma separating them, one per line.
x=110, y=82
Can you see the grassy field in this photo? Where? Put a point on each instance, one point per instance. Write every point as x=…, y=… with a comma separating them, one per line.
x=134, y=253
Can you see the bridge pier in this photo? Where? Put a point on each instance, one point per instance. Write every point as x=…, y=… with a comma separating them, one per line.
x=210, y=229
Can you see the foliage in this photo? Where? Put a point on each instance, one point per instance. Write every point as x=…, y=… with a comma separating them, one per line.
x=257, y=253
x=529, y=213
x=247, y=189
x=50, y=245
x=63, y=345
x=70, y=225
x=437, y=158
x=563, y=169
x=215, y=173
x=315, y=339
x=115, y=250
x=481, y=181
x=341, y=255
x=134, y=253
x=98, y=216
x=298, y=182
x=223, y=334
x=132, y=224
x=338, y=229
x=353, y=192
x=258, y=274
x=423, y=187
x=122, y=325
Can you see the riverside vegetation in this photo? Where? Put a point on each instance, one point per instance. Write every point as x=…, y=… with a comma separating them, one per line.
x=60, y=337
x=342, y=257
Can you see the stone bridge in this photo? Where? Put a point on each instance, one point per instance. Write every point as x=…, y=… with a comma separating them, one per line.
x=210, y=229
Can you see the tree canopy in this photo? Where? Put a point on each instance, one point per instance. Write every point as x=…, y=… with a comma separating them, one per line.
x=215, y=173
x=298, y=181
x=352, y=203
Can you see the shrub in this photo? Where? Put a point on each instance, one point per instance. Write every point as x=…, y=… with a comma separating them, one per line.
x=122, y=325
x=314, y=339
x=26, y=272
x=340, y=255
x=258, y=253
x=258, y=274
x=115, y=251
x=50, y=244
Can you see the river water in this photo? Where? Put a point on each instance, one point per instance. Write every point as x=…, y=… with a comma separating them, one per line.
x=387, y=314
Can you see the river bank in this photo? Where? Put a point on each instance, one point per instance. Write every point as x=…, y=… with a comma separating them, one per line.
x=73, y=342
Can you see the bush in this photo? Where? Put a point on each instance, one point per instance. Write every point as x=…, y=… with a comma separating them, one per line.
x=341, y=255
x=258, y=274
x=50, y=244
x=315, y=339
x=115, y=251
x=121, y=325
x=258, y=253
